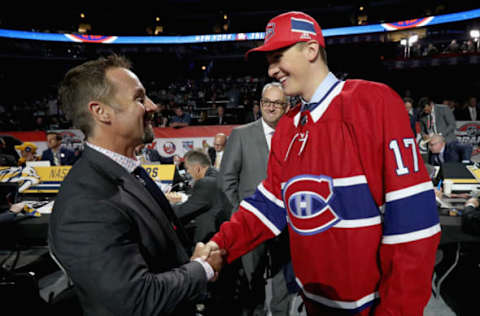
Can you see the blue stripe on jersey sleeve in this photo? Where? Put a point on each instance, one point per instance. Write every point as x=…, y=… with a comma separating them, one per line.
x=410, y=214
x=354, y=202
x=274, y=213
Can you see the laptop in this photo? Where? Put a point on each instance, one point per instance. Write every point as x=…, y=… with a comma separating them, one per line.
x=463, y=180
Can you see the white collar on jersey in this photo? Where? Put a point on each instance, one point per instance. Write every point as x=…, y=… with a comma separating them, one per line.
x=326, y=91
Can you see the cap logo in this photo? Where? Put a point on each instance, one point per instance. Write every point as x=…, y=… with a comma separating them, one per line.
x=303, y=26
x=270, y=30
x=306, y=35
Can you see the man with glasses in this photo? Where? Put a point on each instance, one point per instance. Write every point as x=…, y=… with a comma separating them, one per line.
x=244, y=166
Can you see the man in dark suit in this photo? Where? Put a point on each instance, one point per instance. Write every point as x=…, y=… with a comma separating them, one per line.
x=411, y=114
x=254, y=114
x=216, y=152
x=56, y=154
x=470, y=112
x=207, y=207
x=440, y=151
x=243, y=167
x=111, y=228
x=221, y=119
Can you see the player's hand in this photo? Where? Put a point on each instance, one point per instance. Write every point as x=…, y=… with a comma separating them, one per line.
x=203, y=250
x=216, y=260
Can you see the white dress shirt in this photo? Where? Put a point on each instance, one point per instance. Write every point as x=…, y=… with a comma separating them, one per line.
x=268, y=131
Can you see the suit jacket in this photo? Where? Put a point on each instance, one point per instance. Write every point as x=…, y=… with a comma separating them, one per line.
x=207, y=207
x=223, y=121
x=67, y=157
x=454, y=152
x=463, y=114
x=444, y=120
x=244, y=162
x=244, y=166
x=413, y=124
x=212, y=154
x=118, y=246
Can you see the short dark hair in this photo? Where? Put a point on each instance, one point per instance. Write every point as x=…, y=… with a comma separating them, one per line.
x=196, y=156
x=424, y=101
x=57, y=134
x=408, y=99
x=87, y=82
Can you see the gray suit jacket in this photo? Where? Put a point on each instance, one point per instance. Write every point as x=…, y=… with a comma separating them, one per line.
x=117, y=245
x=444, y=120
x=244, y=162
x=244, y=166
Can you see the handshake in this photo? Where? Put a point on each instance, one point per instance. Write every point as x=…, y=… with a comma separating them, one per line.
x=212, y=254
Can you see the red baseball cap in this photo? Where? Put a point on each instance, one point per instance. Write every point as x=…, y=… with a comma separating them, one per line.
x=287, y=29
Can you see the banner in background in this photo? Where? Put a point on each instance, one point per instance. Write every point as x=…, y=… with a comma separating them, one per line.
x=468, y=132
x=168, y=141
x=177, y=141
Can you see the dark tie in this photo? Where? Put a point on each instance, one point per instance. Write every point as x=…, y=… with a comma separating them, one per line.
x=164, y=204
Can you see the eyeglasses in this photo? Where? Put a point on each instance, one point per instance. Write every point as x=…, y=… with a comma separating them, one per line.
x=276, y=104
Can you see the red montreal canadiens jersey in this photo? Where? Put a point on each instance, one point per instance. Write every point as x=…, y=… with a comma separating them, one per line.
x=346, y=177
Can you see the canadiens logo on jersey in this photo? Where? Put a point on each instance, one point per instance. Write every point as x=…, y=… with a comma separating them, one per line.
x=308, y=200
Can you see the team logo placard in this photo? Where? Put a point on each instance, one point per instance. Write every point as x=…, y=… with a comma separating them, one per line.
x=400, y=25
x=169, y=148
x=308, y=201
x=187, y=145
x=85, y=38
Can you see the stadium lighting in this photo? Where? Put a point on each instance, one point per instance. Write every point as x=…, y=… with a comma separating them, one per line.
x=475, y=34
x=412, y=39
x=403, y=42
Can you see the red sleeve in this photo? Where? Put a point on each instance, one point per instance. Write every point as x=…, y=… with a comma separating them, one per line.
x=411, y=229
x=259, y=217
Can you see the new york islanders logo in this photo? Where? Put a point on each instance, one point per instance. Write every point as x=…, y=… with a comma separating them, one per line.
x=169, y=148
x=307, y=199
x=407, y=24
x=85, y=38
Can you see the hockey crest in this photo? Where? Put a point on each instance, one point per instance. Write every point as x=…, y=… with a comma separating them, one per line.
x=270, y=30
x=308, y=201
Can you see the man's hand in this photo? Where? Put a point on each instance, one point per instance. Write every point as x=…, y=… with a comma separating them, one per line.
x=17, y=208
x=173, y=197
x=473, y=202
x=216, y=259
x=203, y=250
